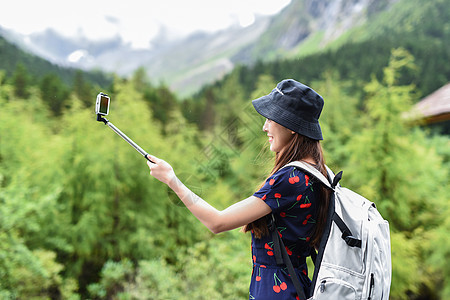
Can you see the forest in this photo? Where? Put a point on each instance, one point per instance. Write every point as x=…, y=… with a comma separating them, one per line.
x=81, y=218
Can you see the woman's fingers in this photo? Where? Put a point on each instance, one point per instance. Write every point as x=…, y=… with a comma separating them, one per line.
x=152, y=161
x=152, y=158
x=150, y=164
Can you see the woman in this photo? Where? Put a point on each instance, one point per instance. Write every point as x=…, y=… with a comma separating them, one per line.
x=298, y=203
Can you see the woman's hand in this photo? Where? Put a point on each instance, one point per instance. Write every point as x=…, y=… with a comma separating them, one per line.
x=161, y=170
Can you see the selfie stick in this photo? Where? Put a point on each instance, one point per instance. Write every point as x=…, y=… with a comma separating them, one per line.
x=100, y=118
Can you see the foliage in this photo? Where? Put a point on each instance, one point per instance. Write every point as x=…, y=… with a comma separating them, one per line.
x=20, y=81
x=114, y=275
x=341, y=117
x=393, y=165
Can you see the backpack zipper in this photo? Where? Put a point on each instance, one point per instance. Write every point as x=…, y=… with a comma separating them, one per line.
x=322, y=286
x=372, y=284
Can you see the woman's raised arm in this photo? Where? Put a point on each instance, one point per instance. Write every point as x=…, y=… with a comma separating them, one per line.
x=236, y=215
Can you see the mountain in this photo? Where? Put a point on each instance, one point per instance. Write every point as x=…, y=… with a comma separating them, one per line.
x=308, y=26
x=182, y=63
x=11, y=55
x=303, y=27
x=421, y=27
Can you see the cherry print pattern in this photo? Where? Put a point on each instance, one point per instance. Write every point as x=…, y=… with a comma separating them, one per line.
x=308, y=219
x=279, y=285
x=306, y=204
x=269, y=249
x=293, y=178
x=258, y=277
x=306, y=239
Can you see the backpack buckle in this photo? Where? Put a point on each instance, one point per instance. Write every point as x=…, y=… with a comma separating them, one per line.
x=352, y=241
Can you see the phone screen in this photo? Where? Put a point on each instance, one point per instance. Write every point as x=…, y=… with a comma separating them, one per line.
x=104, y=104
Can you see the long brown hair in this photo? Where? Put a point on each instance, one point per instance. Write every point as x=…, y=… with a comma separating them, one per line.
x=299, y=148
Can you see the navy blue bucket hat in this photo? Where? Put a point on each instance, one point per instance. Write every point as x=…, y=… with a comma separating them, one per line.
x=294, y=106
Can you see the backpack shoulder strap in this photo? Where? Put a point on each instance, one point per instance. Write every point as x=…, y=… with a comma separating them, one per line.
x=282, y=256
x=313, y=171
x=346, y=233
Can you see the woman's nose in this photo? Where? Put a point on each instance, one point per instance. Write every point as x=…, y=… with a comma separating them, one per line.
x=265, y=126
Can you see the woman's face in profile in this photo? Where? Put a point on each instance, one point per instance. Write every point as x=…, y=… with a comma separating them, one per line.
x=278, y=135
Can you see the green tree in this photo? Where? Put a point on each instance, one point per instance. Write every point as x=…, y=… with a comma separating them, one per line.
x=439, y=235
x=21, y=81
x=340, y=119
x=162, y=102
x=206, y=120
x=82, y=89
x=54, y=93
x=30, y=218
x=140, y=80
x=6, y=90
x=392, y=165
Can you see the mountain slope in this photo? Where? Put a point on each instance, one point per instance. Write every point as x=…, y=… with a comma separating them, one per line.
x=187, y=64
x=304, y=27
x=308, y=26
x=11, y=55
x=419, y=26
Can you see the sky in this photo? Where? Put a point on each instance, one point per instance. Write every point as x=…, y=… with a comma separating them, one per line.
x=136, y=21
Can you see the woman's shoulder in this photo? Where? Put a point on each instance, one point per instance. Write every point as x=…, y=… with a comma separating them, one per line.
x=285, y=187
x=289, y=176
x=288, y=172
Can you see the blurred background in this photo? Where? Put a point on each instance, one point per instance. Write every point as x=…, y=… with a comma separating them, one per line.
x=80, y=216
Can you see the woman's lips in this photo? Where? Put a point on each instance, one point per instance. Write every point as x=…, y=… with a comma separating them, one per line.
x=270, y=139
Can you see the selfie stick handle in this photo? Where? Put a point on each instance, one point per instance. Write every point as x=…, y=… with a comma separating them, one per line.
x=124, y=136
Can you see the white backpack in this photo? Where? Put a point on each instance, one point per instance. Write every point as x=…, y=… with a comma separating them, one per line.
x=354, y=257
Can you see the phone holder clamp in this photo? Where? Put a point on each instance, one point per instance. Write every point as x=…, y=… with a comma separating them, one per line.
x=102, y=119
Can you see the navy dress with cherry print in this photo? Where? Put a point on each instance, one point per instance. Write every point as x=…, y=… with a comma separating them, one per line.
x=292, y=196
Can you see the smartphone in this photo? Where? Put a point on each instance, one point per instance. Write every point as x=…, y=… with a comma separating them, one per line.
x=102, y=104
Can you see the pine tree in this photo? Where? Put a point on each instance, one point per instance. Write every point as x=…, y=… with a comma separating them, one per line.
x=21, y=81
x=54, y=93
x=82, y=89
